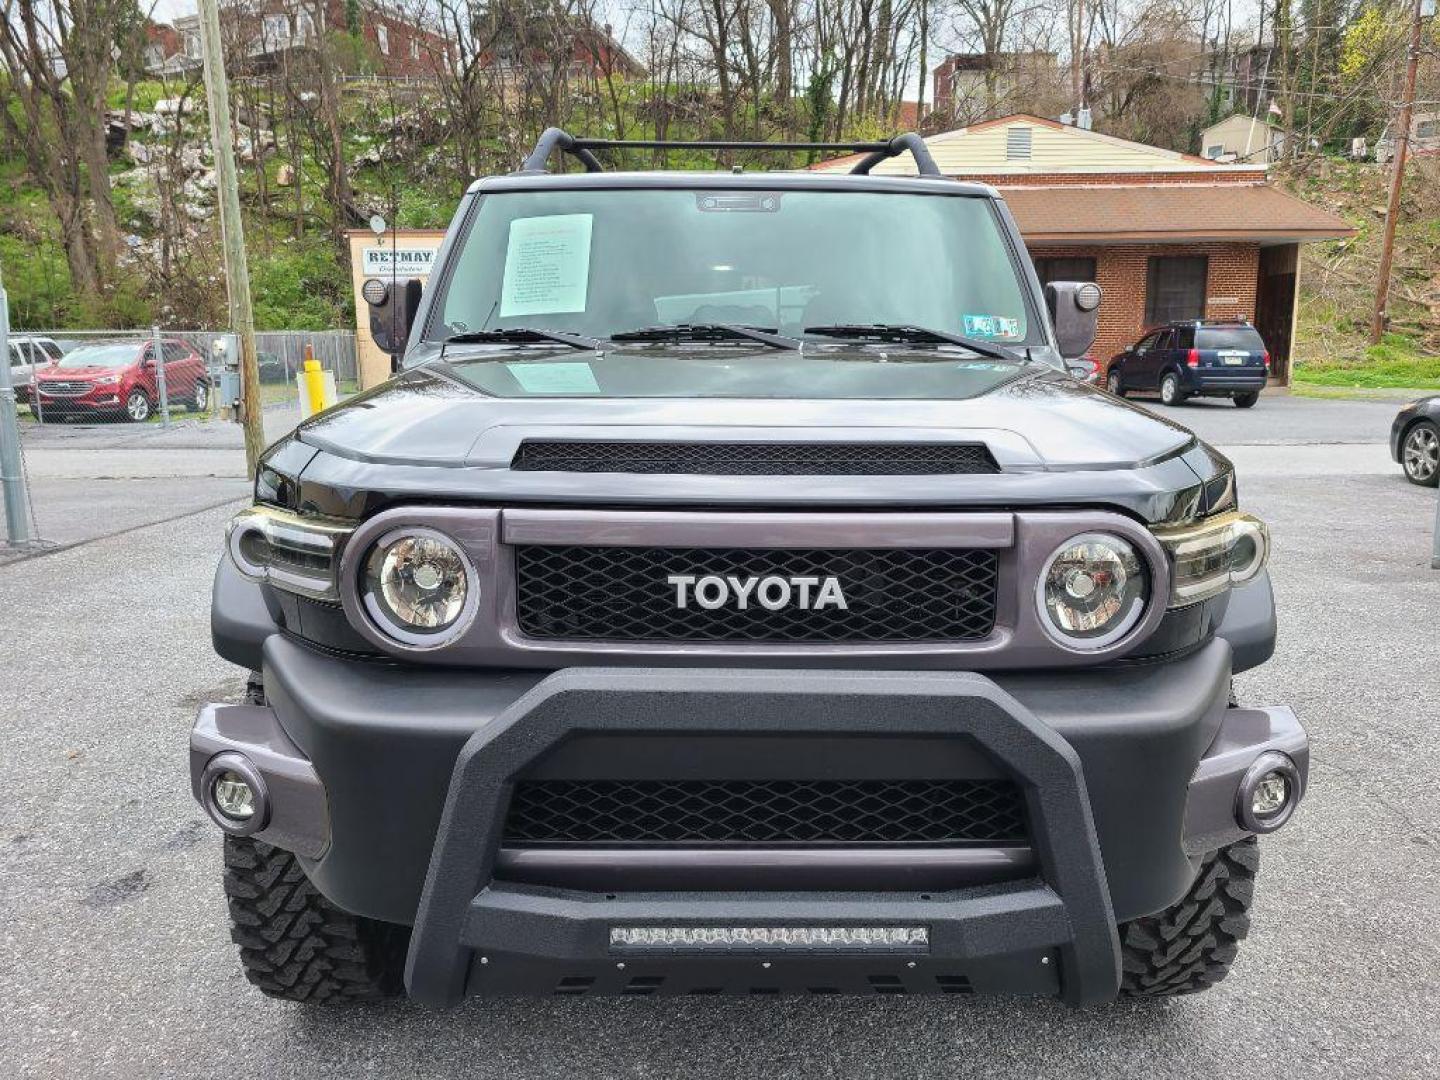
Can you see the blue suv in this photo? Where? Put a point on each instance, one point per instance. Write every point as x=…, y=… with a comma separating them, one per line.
x=1194, y=359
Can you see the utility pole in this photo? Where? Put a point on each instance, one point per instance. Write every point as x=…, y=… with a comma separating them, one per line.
x=12, y=477
x=232, y=232
x=1381, y=316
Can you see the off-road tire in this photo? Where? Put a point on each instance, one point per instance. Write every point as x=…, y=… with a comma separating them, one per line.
x=1246, y=401
x=1189, y=947
x=1175, y=396
x=295, y=944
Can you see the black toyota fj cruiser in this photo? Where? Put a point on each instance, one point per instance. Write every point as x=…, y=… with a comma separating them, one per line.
x=734, y=593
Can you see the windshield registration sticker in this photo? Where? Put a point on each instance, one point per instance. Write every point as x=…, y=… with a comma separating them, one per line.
x=547, y=265
x=561, y=378
x=991, y=326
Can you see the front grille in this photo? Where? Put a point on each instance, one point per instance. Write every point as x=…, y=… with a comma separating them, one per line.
x=60, y=387
x=624, y=594
x=690, y=812
x=755, y=459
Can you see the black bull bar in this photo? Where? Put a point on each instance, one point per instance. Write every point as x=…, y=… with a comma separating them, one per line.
x=1054, y=932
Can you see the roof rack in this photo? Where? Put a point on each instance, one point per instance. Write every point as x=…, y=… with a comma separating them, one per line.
x=582, y=149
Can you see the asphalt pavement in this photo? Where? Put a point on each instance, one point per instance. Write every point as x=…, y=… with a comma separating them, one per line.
x=91, y=480
x=114, y=953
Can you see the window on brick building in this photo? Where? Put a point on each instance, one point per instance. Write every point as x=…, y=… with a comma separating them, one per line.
x=382, y=35
x=414, y=48
x=1064, y=269
x=1175, y=288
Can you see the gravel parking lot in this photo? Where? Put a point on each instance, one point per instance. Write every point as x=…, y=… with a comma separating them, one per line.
x=115, y=962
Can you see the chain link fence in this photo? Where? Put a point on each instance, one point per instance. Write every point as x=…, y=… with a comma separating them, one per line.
x=109, y=376
x=112, y=440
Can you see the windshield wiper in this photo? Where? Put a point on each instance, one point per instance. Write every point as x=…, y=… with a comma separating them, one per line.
x=709, y=332
x=523, y=335
x=914, y=335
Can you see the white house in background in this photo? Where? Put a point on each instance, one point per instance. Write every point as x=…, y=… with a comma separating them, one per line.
x=1243, y=139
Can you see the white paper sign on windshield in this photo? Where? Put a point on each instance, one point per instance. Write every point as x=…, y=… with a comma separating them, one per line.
x=547, y=265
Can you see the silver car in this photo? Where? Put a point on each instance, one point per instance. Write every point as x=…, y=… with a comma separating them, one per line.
x=26, y=355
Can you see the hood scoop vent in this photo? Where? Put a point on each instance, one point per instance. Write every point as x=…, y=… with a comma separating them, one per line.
x=754, y=458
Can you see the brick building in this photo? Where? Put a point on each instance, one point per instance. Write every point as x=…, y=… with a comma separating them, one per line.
x=1167, y=235
x=260, y=33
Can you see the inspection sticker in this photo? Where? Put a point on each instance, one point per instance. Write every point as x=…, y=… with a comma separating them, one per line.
x=991, y=326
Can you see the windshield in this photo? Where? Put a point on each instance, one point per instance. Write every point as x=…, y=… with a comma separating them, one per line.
x=1228, y=337
x=601, y=262
x=106, y=356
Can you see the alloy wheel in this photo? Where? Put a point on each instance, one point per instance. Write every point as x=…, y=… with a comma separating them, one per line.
x=1421, y=454
x=137, y=406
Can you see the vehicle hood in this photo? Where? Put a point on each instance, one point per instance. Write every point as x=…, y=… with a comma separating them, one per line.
x=1032, y=418
x=428, y=436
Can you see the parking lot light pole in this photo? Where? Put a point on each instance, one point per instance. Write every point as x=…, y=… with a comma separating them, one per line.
x=12, y=476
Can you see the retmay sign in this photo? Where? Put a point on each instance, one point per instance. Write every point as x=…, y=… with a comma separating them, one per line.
x=385, y=262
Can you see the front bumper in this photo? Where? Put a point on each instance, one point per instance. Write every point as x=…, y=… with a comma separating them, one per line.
x=100, y=399
x=395, y=781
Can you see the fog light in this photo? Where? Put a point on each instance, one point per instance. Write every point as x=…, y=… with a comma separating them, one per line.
x=1268, y=793
x=906, y=939
x=234, y=794
x=1272, y=793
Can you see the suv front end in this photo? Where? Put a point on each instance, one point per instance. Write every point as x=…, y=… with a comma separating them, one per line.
x=916, y=681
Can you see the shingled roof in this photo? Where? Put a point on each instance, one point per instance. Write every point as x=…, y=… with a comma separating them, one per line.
x=1118, y=213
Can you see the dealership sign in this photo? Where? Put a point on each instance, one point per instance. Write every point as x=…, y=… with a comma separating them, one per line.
x=397, y=262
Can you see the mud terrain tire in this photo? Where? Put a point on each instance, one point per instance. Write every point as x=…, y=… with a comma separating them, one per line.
x=1189, y=947
x=295, y=944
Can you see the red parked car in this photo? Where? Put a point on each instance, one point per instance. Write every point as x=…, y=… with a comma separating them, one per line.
x=118, y=378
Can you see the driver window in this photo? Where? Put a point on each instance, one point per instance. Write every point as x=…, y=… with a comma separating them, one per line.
x=1146, y=343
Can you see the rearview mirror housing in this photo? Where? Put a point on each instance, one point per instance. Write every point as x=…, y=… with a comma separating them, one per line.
x=392, y=313
x=1074, y=308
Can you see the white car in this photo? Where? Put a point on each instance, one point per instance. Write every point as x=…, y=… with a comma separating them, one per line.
x=28, y=353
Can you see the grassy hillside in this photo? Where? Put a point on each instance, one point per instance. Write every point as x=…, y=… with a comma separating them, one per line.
x=1338, y=281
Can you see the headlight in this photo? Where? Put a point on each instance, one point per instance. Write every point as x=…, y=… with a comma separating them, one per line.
x=419, y=587
x=1214, y=555
x=108, y=380
x=289, y=551
x=1093, y=591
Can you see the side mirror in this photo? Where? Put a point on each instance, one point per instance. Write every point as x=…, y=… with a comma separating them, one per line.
x=392, y=312
x=1074, y=312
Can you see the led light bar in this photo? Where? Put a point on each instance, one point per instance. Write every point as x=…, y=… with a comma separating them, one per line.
x=711, y=939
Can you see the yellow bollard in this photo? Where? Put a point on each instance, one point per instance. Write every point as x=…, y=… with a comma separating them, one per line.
x=314, y=382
